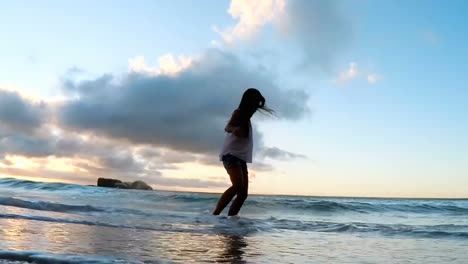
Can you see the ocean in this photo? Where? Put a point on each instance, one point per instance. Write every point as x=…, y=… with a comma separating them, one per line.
x=66, y=223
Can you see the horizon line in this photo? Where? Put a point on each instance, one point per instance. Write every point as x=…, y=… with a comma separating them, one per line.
x=266, y=194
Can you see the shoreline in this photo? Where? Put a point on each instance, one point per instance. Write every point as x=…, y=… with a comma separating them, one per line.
x=261, y=194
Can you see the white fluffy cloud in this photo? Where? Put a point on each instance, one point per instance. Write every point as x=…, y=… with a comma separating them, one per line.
x=373, y=78
x=353, y=72
x=167, y=65
x=251, y=16
x=318, y=27
x=349, y=74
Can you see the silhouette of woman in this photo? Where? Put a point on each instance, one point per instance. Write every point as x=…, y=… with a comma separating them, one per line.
x=237, y=150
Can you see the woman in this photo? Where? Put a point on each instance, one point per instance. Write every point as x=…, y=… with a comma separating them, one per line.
x=237, y=150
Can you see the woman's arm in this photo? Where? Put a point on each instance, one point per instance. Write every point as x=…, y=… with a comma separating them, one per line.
x=233, y=125
x=231, y=129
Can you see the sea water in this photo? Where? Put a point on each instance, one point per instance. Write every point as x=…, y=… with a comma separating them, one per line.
x=65, y=223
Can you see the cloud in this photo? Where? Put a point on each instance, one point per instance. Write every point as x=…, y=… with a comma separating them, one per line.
x=373, y=78
x=25, y=145
x=251, y=16
x=353, y=72
x=318, y=27
x=168, y=65
x=87, y=158
x=185, y=112
x=85, y=167
x=96, y=156
x=279, y=154
x=19, y=114
x=74, y=70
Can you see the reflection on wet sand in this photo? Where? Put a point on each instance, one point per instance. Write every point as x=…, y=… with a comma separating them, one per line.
x=16, y=234
x=186, y=247
x=234, y=248
x=128, y=243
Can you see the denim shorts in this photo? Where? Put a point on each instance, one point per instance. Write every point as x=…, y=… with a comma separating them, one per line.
x=230, y=161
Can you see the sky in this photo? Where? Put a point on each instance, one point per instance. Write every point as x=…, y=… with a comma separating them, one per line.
x=370, y=96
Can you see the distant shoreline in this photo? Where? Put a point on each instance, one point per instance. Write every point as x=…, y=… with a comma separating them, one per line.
x=340, y=197
x=282, y=195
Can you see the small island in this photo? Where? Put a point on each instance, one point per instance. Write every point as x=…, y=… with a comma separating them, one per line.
x=114, y=183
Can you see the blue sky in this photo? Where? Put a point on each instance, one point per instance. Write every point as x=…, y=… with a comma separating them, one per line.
x=403, y=133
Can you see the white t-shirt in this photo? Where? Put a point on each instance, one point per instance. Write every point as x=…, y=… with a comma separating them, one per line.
x=238, y=146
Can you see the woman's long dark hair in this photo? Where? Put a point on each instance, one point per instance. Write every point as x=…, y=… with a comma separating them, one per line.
x=252, y=100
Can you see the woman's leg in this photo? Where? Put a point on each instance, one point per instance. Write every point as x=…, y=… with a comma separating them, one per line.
x=235, y=174
x=242, y=192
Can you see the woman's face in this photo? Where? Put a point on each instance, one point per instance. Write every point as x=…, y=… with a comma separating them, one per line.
x=255, y=100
